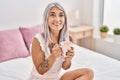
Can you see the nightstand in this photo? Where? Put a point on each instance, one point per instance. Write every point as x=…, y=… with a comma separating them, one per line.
x=79, y=33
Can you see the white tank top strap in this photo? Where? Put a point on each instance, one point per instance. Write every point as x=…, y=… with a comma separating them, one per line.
x=39, y=37
x=43, y=44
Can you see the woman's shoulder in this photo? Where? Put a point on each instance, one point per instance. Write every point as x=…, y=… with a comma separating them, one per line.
x=39, y=37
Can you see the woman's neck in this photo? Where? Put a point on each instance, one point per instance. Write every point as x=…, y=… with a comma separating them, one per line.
x=55, y=37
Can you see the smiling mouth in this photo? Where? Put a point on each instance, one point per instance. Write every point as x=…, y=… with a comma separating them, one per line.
x=56, y=24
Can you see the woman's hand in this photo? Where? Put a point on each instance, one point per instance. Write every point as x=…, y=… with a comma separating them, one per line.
x=69, y=54
x=56, y=51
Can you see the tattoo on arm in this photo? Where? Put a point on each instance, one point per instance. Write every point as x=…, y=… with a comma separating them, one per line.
x=44, y=64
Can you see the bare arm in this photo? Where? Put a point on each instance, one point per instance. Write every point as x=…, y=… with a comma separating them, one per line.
x=66, y=64
x=38, y=57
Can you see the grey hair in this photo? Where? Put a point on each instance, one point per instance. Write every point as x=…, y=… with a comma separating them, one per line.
x=46, y=32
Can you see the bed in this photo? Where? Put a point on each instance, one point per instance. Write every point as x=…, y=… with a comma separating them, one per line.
x=16, y=62
x=105, y=68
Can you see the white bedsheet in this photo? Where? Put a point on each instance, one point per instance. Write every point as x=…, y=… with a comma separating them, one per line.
x=105, y=68
x=16, y=69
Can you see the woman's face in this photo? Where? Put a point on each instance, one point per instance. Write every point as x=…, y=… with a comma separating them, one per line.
x=56, y=19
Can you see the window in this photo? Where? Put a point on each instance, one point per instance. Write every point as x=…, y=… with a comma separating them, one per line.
x=111, y=14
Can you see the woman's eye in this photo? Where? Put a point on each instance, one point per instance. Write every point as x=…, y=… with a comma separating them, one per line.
x=52, y=14
x=61, y=15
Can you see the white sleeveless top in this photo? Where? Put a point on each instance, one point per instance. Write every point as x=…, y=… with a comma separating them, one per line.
x=54, y=72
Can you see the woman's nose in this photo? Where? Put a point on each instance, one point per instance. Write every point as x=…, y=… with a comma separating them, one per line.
x=57, y=18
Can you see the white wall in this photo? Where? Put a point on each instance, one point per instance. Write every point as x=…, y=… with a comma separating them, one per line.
x=87, y=12
x=15, y=13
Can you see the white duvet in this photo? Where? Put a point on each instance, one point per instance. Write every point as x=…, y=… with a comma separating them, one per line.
x=105, y=68
x=16, y=69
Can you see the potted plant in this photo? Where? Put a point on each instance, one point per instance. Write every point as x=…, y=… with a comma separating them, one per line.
x=116, y=32
x=104, y=29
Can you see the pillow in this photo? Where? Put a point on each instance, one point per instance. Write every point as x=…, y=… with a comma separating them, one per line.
x=29, y=32
x=12, y=45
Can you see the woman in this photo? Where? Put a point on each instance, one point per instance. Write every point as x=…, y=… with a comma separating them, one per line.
x=46, y=52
